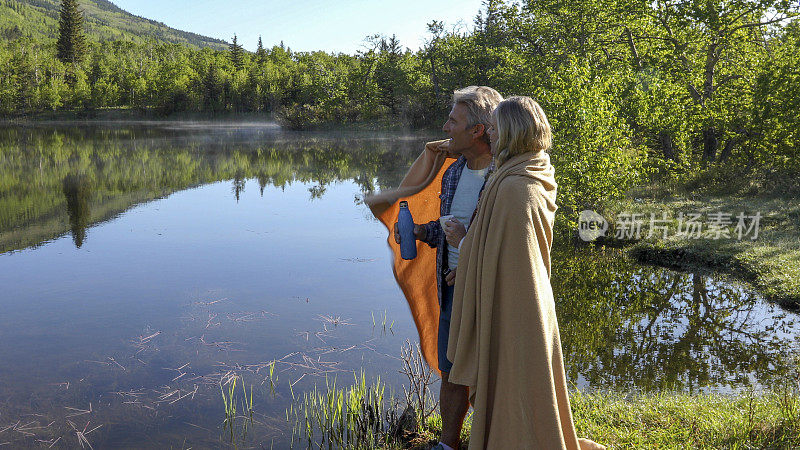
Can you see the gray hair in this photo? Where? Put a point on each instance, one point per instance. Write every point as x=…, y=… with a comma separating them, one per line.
x=480, y=101
x=522, y=127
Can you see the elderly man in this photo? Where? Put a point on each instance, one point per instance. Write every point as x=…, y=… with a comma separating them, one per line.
x=462, y=183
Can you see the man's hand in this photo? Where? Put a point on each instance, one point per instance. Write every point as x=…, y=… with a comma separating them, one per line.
x=454, y=231
x=450, y=278
x=419, y=233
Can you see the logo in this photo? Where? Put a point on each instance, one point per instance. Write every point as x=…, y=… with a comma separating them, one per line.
x=591, y=225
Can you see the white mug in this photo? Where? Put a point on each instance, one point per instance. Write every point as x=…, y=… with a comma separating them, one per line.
x=444, y=219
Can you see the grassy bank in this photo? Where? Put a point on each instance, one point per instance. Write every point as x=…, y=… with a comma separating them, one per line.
x=770, y=420
x=666, y=421
x=364, y=414
x=770, y=263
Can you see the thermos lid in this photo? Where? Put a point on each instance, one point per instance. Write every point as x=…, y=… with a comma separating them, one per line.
x=404, y=204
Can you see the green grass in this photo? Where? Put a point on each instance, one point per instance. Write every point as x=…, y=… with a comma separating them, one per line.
x=362, y=416
x=768, y=420
x=770, y=263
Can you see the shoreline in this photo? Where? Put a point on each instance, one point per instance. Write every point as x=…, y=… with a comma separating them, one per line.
x=125, y=114
x=135, y=116
x=756, y=419
x=769, y=264
x=690, y=259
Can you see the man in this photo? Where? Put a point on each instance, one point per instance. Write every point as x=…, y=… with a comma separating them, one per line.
x=462, y=184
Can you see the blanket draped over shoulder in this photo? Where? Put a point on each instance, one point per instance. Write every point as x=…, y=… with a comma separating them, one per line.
x=504, y=338
x=417, y=277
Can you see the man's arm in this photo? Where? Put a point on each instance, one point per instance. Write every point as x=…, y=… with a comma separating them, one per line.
x=432, y=233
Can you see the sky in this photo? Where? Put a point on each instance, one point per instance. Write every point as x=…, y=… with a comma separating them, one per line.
x=305, y=25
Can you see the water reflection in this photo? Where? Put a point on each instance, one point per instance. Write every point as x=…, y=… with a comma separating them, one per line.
x=41, y=197
x=630, y=327
x=77, y=191
x=238, y=185
x=624, y=326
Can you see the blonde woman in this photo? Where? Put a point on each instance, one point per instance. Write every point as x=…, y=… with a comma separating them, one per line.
x=504, y=339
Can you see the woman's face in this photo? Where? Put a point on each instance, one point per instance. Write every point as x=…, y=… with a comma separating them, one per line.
x=492, y=132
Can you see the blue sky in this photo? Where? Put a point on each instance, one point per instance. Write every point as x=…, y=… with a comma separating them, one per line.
x=304, y=25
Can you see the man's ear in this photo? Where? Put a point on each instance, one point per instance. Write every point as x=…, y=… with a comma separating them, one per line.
x=479, y=131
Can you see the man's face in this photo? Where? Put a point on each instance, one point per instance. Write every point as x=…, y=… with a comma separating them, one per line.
x=462, y=136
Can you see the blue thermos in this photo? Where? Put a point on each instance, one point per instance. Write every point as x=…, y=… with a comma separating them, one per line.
x=405, y=225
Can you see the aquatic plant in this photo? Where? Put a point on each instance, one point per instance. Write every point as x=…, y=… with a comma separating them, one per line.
x=363, y=415
x=228, y=390
x=358, y=416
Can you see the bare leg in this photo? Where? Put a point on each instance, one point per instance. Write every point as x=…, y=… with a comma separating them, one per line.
x=453, y=403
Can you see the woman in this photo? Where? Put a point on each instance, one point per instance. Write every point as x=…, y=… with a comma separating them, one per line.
x=504, y=339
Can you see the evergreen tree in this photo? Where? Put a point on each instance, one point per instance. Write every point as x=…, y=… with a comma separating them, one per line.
x=236, y=53
x=390, y=78
x=436, y=29
x=213, y=90
x=71, y=45
x=23, y=71
x=261, y=54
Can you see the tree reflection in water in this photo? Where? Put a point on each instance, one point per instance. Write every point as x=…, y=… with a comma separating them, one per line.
x=238, y=185
x=77, y=192
x=42, y=198
x=631, y=327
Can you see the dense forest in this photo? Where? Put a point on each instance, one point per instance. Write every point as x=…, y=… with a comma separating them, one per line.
x=688, y=83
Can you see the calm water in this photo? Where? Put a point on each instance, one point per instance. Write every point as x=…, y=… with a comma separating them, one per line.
x=140, y=265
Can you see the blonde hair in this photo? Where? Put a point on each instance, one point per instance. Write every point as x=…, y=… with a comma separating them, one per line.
x=480, y=101
x=522, y=127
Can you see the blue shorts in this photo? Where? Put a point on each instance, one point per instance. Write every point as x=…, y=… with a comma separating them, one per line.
x=446, y=308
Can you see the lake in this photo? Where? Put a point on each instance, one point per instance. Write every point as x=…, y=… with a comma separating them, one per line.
x=143, y=264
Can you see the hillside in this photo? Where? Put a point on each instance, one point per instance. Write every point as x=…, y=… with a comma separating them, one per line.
x=103, y=21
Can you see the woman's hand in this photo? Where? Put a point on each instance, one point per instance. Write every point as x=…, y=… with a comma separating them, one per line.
x=444, y=147
x=454, y=231
x=450, y=278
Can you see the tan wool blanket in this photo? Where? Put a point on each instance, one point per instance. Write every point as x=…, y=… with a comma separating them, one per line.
x=417, y=277
x=504, y=338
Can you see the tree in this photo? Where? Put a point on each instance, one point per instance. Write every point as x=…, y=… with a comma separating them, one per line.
x=776, y=102
x=213, y=89
x=261, y=54
x=435, y=28
x=25, y=80
x=707, y=43
x=389, y=75
x=236, y=54
x=71, y=45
